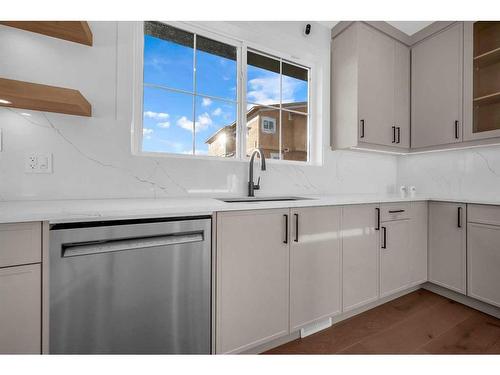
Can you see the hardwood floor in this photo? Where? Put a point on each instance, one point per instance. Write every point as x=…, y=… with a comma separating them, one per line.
x=418, y=323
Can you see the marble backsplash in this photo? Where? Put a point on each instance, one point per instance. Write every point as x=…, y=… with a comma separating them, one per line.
x=467, y=173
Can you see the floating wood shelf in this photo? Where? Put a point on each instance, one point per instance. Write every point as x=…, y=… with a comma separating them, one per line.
x=26, y=95
x=487, y=58
x=74, y=31
x=487, y=99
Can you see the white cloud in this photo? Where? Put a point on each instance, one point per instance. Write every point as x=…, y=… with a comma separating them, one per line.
x=205, y=102
x=217, y=111
x=266, y=89
x=146, y=132
x=164, y=125
x=156, y=115
x=204, y=121
x=184, y=123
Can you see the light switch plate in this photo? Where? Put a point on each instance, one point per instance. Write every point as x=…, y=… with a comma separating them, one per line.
x=38, y=163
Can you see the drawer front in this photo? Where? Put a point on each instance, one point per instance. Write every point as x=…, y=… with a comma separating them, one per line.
x=394, y=211
x=20, y=243
x=477, y=213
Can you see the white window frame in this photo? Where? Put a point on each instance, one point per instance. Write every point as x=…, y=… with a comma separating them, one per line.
x=241, y=100
x=270, y=120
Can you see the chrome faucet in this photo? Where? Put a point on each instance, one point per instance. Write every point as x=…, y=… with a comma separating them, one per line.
x=251, y=185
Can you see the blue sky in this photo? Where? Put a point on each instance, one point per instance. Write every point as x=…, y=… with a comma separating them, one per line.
x=168, y=115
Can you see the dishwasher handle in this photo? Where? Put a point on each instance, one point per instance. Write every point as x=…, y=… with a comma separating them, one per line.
x=109, y=246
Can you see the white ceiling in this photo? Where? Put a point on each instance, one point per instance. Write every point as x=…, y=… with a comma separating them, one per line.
x=408, y=27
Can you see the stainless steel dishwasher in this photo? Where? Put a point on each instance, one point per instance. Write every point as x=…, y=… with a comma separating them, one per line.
x=131, y=287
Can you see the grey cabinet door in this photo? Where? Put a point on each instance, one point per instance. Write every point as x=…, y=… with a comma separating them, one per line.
x=401, y=120
x=447, y=245
x=315, y=269
x=252, y=279
x=360, y=256
x=437, y=89
x=394, y=259
x=484, y=262
x=375, y=86
x=20, y=310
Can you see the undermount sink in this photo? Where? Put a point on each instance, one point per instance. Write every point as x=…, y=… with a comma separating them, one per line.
x=260, y=199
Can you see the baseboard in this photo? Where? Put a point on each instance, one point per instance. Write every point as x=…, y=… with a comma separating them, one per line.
x=465, y=300
x=272, y=344
x=335, y=319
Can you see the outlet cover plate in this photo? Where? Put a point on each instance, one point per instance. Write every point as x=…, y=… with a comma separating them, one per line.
x=36, y=162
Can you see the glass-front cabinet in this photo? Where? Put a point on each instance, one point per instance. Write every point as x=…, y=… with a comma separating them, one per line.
x=482, y=80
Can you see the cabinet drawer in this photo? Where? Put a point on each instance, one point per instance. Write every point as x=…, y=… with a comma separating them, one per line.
x=20, y=243
x=394, y=211
x=477, y=213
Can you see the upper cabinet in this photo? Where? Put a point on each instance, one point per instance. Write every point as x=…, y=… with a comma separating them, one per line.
x=370, y=90
x=481, y=80
x=455, y=88
x=437, y=89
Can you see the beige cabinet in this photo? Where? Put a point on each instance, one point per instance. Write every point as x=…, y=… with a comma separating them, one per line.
x=252, y=293
x=20, y=288
x=370, y=86
x=418, y=243
x=20, y=310
x=447, y=245
x=394, y=256
x=436, y=86
x=483, y=253
x=315, y=271
x=360, y=255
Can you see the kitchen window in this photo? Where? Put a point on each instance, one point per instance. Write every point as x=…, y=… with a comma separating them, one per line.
x=193, y=101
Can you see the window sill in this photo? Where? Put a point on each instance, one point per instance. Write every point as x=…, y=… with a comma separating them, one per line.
x=220, y=159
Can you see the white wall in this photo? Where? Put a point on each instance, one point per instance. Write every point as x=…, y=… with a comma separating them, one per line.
x=471, y=173
x=92, y=156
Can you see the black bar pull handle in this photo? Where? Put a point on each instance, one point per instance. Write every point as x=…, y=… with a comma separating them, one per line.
x=393, y=134
x=296, y=227
x=457, y=133
x=384, y=238
x=362, y=130
x=459, y=222
x=399, y=135
x=378, y=218
x=396, y=211
x=286, y=229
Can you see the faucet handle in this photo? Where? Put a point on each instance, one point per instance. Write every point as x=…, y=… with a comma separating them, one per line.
x=257, y=185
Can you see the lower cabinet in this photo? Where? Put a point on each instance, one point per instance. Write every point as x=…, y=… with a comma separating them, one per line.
x=483, y=253
x=315, y=272
x=360, y=255
x=20, y=288
x=394, y=256
x=20, y=310
x=281, y=270
x=252, y=278
x=403, y=246
x=277, y=271
x=447, y=245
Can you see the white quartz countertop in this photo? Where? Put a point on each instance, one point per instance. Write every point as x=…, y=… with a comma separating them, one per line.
x=63, y=211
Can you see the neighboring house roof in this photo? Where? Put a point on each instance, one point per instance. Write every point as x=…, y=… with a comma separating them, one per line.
x=253, y=111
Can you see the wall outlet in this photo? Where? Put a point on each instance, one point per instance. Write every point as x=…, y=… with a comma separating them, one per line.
x=38, y=163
